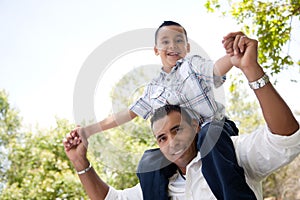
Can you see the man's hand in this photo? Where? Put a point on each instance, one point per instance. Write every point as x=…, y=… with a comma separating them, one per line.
x=243, y=50
x=228, y=42
x=75, y=137
x=74, y=147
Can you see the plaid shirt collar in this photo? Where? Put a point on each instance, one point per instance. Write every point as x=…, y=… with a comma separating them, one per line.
x=178, y=64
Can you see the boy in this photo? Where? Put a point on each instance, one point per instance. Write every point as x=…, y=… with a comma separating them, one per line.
x=183, y=81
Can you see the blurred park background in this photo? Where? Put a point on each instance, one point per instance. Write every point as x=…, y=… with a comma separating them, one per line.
x=43, y=45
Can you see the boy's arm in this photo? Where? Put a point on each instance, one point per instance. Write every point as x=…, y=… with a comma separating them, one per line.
x=222, y=66
x=81, y=134
x=111, y=121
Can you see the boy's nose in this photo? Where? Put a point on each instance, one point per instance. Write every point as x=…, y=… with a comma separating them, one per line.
x=173, y=45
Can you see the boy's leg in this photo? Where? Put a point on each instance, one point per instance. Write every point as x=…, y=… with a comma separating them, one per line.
x=154, y=171
x=219, y=164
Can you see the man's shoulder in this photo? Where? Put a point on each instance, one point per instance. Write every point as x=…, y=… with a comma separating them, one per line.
x=152, y=160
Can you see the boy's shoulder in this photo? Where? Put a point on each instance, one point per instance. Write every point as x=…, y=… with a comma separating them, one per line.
x=196, y=59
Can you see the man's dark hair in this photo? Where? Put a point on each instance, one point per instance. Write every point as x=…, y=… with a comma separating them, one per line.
x=166, y=110
x=169, y=23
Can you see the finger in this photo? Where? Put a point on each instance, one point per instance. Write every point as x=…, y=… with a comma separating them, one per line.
x=228, y=42
x=70, y=139
x=82, y=136
x=232, y=34
x=237, y=45
x=66, y=144
x=242, y=43
x=230, y=52
x=74, y=132
x=77, y=141
x=228, y=45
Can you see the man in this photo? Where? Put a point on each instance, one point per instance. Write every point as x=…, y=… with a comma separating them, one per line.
x=258, y=153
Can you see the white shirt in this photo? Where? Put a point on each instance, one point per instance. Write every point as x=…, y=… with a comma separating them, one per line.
x=259, y=153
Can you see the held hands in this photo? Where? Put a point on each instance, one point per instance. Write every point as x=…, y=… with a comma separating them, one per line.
x=75, y=143
x=241, y=49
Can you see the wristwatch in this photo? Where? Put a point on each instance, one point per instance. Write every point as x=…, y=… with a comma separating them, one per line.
x=260, y=82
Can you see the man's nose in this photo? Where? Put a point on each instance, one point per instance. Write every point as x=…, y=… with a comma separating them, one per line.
x=173, y=143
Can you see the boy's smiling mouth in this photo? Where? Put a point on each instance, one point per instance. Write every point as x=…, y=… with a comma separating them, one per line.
x=173, y=54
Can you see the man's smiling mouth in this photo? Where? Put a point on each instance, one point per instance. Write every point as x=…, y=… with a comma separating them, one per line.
x=177, y=152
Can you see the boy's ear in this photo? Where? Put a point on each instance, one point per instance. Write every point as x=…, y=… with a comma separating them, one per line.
x=188, y=47
x=156, y=51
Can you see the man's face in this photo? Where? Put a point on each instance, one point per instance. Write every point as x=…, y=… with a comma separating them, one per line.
x=171, y=45
x=176, y=138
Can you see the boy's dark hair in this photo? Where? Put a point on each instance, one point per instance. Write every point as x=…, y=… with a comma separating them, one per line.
x=166, y=110
x=169, y=23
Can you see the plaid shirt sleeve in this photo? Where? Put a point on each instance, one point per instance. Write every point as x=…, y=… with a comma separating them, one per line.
x=142, y=107
x=206, y=68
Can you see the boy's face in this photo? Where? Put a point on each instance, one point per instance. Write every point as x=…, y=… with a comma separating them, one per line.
x=176, y=138
x=171, y=45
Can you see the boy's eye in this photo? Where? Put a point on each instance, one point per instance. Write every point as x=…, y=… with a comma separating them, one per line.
x=165, y=42
x=179, y=40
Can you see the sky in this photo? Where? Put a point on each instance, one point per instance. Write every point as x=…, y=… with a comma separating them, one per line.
x=44, y=44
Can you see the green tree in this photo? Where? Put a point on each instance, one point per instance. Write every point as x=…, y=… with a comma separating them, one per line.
x=284, y=183
x=245, y=112
x=118, y=151
x=242, y=109
x=9, y=125
x=271, y=22
x=34, y=165
x=39, y=168
x=9, y=120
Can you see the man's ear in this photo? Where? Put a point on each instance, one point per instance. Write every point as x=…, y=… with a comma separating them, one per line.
x=156, y=51
x=195, y=125
x=188, y=47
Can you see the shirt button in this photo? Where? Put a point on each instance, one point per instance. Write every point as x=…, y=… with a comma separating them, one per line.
x=168, y=79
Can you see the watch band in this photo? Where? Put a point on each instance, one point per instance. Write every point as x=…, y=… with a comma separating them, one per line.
x=85, y=170
x=260, y=82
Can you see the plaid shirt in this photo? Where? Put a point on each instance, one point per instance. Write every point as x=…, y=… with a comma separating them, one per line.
x=189, y=84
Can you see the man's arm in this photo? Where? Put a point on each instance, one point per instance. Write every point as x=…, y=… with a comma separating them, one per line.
x=94, y=186
x=92, y=183
x=276, y=112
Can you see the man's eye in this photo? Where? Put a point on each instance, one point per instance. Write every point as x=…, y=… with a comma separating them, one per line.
x=179, y=130
x=179, y=41
x=161, y=139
